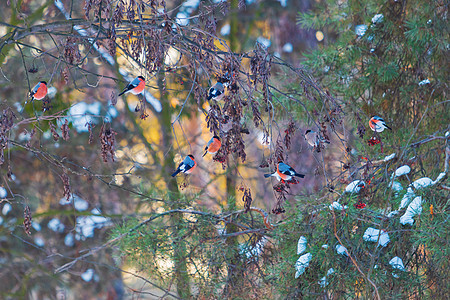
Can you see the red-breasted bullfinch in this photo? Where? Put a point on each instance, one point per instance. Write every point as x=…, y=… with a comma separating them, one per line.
x=39, y=91
x=216, y=92
x=377, y=124
x=213, y=145
x=314, y=139
x=284, y=172
x=135, y=87
x=186, y=166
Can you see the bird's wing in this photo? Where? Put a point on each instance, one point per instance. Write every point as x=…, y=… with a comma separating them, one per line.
x=134, y=83
x=189, y=162
x=285, y=169
x=35, y=89
x=219, y=87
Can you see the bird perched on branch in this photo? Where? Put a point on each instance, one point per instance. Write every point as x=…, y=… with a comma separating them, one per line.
x=39, y=91
x=284, y=172
x=314, y=139
x=213, y=145
x=377, y=124
x=135, y=87
x=216, y=92
x=186, y=166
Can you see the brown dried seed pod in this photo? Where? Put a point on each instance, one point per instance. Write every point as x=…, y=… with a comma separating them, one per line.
x=27, y=220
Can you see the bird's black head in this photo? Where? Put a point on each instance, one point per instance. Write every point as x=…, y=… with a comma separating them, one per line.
x=308, y=131
x=191, y=156
x=216, y=137
x=140, y=77
x=44, y=82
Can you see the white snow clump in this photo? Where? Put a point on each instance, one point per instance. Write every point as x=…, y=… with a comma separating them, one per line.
x=301, y=245
x=355, y=186
x=302, y=263
x=371, y=235
x=414, y=208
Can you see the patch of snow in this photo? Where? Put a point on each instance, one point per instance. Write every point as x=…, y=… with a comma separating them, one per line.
x=112, y=112
x=323, y=281
x=36, y=226
x=3, y=192
x=439, y=178
x=422, y=183
x=254, y=251
x=56, y=225
x=371, y=235
x=403, y=170
x=423, y=82
x=39, y=241
x=414, y=208
x=393, y=213
x=182, y=19
x=51, y=92
x=360, y=30
x=429, y=22
x=341, y=250
x=337, y=206
x=263, y=41
x=301, y=245
x=378, y=18
x=283, y=2
x=397, y=263
x=225, y=30
x=1, y=220
x=79, y=203
x=6, y=208
x=302, y=263
x=396, y=186
x=86, y=224
x=407, y=197
x=389, y=157
x=69, y=240
x=88, y=275
x=355, y=186
x=325, y=246
x=288, y=48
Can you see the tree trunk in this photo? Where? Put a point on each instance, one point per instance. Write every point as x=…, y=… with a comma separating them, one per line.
x=173, y=194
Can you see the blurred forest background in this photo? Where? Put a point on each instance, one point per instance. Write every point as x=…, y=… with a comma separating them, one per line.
x=89, y=209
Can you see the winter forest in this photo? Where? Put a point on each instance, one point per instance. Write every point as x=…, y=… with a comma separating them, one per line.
x=224, y=149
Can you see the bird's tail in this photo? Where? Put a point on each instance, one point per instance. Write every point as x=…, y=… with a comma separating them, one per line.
x=267, y=175
x=387, y=126
x=123, y=92
x=176, y=172
x=299, y=175
x=206, y=151
x=209, y=97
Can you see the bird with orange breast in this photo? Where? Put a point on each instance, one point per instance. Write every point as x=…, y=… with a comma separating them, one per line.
x=186, y=166
x=39, y=91
x=213, y=145
x=135, y=87
x=284, y=172
x=377, y=124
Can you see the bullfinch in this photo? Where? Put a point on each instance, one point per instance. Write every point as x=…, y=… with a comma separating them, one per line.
x=284, y=172
x=377, y=124
x=314, y=139
x=39, y=91
x=213, y=145
x=216, y=92
x=186, y=166
x=135, y=87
